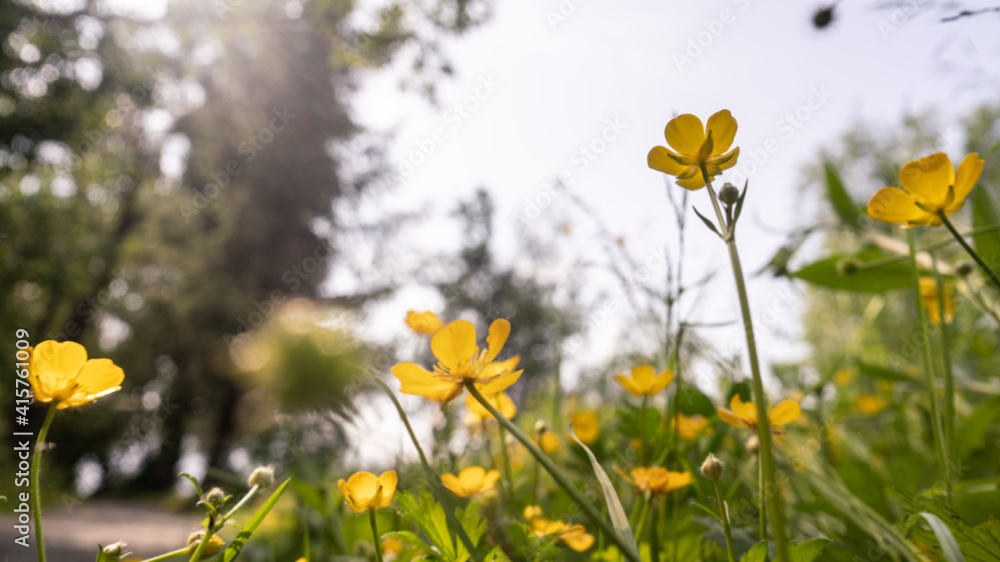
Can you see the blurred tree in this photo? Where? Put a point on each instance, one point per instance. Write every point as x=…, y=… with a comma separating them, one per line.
x=169, y=183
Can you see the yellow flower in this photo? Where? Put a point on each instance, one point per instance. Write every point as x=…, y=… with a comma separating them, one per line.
x=61, y=373
x=364, y=491
x=213, y=546
x=744, y=414
x=696, y=144
x=574, y=536
x=471, y=482
x=586, y=426
x=478, y=413
x=392, y=546
x=932, y=187
x=929, y=295
x=643, y=381
x=423, y=323
x=689, y=428
x=549, y=441
x=656, y=478
x=843, y=377
x=459, y=360
x=870, y=404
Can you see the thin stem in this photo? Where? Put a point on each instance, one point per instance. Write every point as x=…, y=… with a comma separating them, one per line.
x=378, y=545
x=229, y=515
x=432, y=477
x=168, y=556
x=654, y=533
x=643, y=442
x=949, y=378
x=557, y=475
x=36, y=490
x=534, y=481
x=982, y=265
x=506, y=464
x=203, y=544
x=761, y=502
x=924, y=324
x=763, y=424
x=724, y=516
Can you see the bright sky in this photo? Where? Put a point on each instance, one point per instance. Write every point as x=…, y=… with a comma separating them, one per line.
x=556, y=83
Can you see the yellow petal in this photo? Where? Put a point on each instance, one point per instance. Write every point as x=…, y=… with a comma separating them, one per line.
x=414, y=379
x=362, y=487
x=967, y=176
x=577, y=538
x=494, y=370
x=472, y=477
x=53, y=368
x=499, y=330
x=685, y=134
x=722, y=125
x=727, y=160
x=891, y=204
x=623, y=475
x=501, y=383
x=455, y=345
x=660, y=159
x=785, y=412
x=661, y=381
x=452, y=482
x=642, y=377
x=678, y=480
x=929, y=178
x=694, y=182
x=745, y=410
x=489, y=480
x=627, y=383
x=731, y=418
x=387, y=481
x=97, y=378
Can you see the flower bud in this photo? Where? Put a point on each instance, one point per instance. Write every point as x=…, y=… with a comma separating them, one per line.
x=729, y=194
x=964, y=269
x=753, y=445
x=213, y=546
x=115, y=552
x=215, y=497
x=541, y=426
x=847, y=267
x=262, y=476
x=712, y=467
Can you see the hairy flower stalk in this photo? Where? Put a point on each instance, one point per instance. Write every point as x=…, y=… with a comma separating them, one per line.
x=766, y=458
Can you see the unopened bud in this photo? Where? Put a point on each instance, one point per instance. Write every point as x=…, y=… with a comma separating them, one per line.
x=753, y=445
x=213, y=546
x=847, y=267
x=964, y=269
x=262, y=476
x=729, y=194
x=115, y=552
x=215, y=498
x=541, y=426
x=712, y=467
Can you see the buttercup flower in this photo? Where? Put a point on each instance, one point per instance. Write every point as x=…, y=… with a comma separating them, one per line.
x=586, y=426
x=870, y=404
x=574, y=536
x=843, y=377
x=364, y=490
x=744, y=414
x=423, y=323
x=932, y=187
x=656, y=478
x=214, y=544
x=929, y=296
x=471, y=482
x=696, y=144
x=459, y=360
x=689, y=428
x=61, y=373
x=643, y=381
x=478, y=413
x=549, y=441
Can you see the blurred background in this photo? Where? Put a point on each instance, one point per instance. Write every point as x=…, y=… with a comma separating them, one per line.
x=238, y=201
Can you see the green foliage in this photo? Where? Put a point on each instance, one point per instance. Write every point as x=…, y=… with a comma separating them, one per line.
x=428, y=515
x=857, y=273
x=234, y=548
x=846, y=209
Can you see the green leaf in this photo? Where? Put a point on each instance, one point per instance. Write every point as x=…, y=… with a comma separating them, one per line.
x=410, y=538
x=100, y=554
x=972, y=433
x=618, y=518
x=874, y=371
x=739, y=202
x=757, y=553
x=693, y=401
x=829, y=273
x=707, y=222
x=947, y=540
x=985, y=213
x=234, y=548
x=846, y=209
x=194, y=481
x=807, y=551
x=977, y=544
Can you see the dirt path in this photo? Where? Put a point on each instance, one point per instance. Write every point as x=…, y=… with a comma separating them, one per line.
x=72, y=533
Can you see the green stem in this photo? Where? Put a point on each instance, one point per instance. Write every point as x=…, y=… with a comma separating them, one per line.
x=643, y=442
x=508, y=473
x=203, y=544
x=949, y=378
x=761, y=502
x=557, y=475
x=648, y=499
x=654, y=533
x=168, y=556
x=229, y=515
x=982, y=265
x=763, y=424
x=36, y=489
x=928, y=358
x=534, y=481
x=378, y=545
x=432, y=477
x=724, y=516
